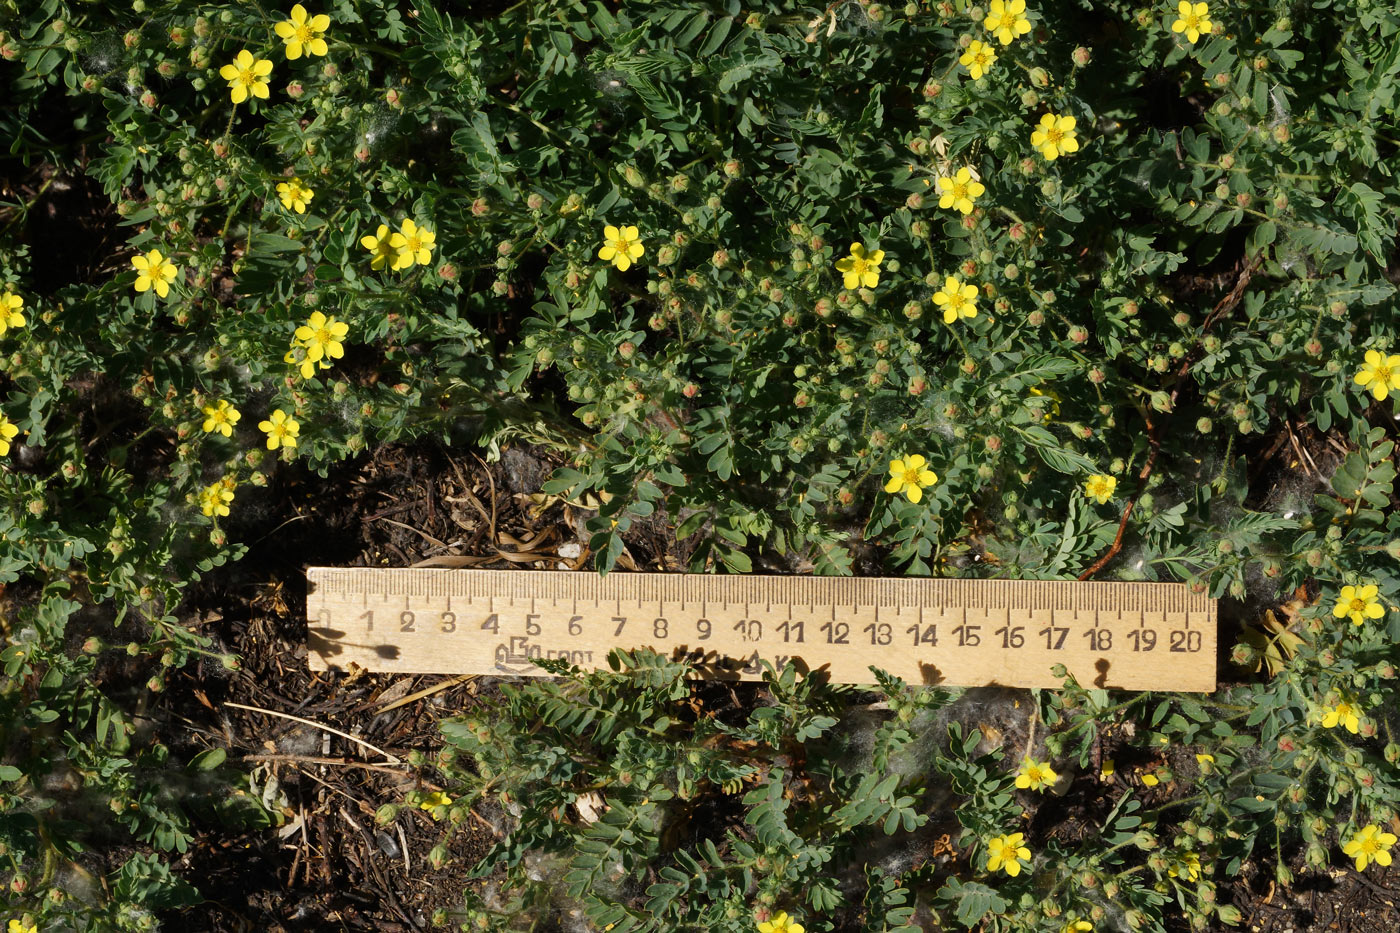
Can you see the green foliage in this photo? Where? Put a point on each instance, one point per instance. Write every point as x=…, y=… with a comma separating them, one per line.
x=1182, y=304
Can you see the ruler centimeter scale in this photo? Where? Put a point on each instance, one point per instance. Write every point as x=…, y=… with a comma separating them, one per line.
x=955, y=632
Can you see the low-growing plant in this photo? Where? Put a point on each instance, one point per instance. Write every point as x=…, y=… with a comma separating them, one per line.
x=1035, y=291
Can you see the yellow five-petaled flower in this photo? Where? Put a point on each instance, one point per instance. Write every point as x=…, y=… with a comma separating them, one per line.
x=221, y=418
x=321, y=337
x=956, y=299
x=384, y=246
x=214, y=499
x=1055, y=136
x=1370, y=844
x=295, y=195
x=280, y=429
x=10, y=314
x=1194, y=20
x=978, y=59
x=434, y=800
x=8, y=432
x=622, y=246
x=1007, y=853
x=417, y=245
x=303, y=33
x=1343, y=714
x=861, y=268
x=910, y=476
x=1358, y=603
x=247, y=75
x=154, y=271
x=1099, y=487
x=1188, y=864
x=1035, y=775
x=1381, y=373
x=960, y=191
x=1006, y=21
x=781, y=923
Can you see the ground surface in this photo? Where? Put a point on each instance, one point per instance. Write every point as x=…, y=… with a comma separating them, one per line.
x=332, y=867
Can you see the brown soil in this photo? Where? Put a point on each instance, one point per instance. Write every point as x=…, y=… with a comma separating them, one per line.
x=333, y=867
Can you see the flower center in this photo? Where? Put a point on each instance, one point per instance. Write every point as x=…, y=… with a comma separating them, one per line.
x=911, y=477
x=959, y=190
x=1358, y=605
x=1053, y=135
x=322, y=336
x=1371, y=845
x=1383, y=373
x=304, y=33
x=956, y=301
x=1193, y=22
x=246, y=76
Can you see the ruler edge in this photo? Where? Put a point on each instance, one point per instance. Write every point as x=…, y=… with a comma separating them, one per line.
x=317, y=576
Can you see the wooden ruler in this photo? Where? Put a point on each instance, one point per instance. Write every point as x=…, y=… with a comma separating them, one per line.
x=1137, y=636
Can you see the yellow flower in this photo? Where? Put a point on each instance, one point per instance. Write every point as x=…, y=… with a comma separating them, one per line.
x=1100, y=487
x=1150, y=780
x=781, y=923
x=221, y=418
x=321, y=336
x=1055, y=137
x=1007, y=852
x=1188, y=864
x=1194, y=20
x=960, y=191
x=978, y=59
x=417, y=245
x=621, y=246
x=8, y=432
x=281, y=430
x=434, y=800
x=861, y=268
x=910, y=476
x=295, y=195
x=1035, y=775
x=1206, y=762
x=1359, y=603
x=1368, y=845
x=1006, y=21
x=1053, y=409
x=215, y=498
x=1077, y=926
x=303, y=34
x=956, y=299
x=385, y=246
x=154, y=270
x=1382, y=373
x=10, y=315
x=16, y=927
x=1343, y=714
x=246, y=75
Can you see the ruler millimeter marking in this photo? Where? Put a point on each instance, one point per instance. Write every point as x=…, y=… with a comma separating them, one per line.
x=956, y=632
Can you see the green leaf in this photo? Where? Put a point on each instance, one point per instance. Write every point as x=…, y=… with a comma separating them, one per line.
x=971, y=901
